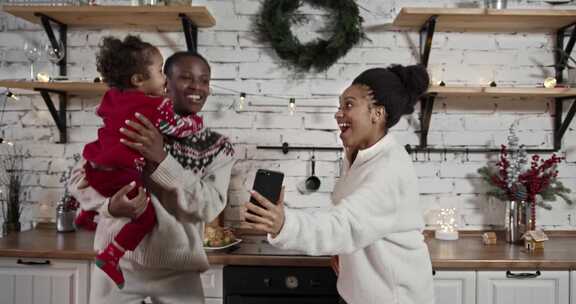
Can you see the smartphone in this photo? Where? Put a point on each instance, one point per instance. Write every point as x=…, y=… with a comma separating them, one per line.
x=269, y=184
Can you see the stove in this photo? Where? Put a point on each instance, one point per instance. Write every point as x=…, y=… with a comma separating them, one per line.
x=276, y=284
x=279, y=285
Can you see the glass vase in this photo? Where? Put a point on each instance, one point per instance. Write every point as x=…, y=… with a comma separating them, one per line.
x=518, y=220
x=496, y=4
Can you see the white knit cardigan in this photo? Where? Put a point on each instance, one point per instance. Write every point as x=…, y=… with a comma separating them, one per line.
x=374, y=227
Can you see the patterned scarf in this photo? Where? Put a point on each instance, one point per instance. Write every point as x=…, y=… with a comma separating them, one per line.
x=198, y=150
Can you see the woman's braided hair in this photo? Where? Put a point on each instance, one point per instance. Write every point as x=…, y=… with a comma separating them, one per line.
x=397, y=88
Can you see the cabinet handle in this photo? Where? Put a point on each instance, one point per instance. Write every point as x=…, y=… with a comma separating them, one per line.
x=22, y=262
x=523, y=275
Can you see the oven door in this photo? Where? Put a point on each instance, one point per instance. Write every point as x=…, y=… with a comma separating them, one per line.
x=279, y=285
x=281, y=300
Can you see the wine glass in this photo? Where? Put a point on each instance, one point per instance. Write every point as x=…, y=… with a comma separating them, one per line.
x=32, y=53
x=55, y=55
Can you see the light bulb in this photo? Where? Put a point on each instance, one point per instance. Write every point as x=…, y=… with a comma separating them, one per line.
x=240, y=103
x=3, y=141
x=11, y=95
x=43, y=77
x=292, y=106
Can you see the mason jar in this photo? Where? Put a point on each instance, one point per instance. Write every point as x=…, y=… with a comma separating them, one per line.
x=65, y=219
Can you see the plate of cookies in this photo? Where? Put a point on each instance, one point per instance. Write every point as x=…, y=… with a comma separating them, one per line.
x=218, y=238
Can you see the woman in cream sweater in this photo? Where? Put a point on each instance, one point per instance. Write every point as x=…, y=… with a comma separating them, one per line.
x=375, y=226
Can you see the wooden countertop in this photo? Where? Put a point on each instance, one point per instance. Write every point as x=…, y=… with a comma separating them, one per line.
x=470, y=253
x=466, y=253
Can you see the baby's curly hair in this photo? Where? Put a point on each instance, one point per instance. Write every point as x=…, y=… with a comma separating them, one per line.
x=118, y=60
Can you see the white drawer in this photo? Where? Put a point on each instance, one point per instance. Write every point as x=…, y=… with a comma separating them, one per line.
x=212, y=282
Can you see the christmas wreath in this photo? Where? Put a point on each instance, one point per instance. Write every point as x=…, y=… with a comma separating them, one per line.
x=273, y=26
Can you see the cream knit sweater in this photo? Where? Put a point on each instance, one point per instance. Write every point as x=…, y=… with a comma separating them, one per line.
x=184, y=199
x=374, y=227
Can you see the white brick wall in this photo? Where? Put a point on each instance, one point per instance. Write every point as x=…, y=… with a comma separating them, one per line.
x=241, y=63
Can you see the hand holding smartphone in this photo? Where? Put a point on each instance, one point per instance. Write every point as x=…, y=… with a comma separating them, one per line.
x=269, y=184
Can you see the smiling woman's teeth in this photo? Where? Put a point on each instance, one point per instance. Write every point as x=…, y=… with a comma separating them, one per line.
x=195, y=98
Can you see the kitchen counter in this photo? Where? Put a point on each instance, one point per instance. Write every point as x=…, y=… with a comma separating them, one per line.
x=466, y=253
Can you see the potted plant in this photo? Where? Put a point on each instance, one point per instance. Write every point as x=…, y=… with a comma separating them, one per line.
x=523, y=184
x=11, y=176
x=67, y=206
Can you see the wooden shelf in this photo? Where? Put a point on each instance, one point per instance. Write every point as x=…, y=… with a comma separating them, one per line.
x=70, y=87
x=502, y=91
x=163, y=18
x=489, y=20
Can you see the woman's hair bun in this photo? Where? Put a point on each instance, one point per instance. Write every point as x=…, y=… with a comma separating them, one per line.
x=415, y=80
x=414, y=77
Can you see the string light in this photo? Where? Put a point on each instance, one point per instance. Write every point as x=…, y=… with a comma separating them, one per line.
x=43, y=77
x=240, y=103
x=272, y=96
x=12, y=95
x=2, y=141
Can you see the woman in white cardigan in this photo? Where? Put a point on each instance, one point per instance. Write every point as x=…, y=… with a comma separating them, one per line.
x=375, y=226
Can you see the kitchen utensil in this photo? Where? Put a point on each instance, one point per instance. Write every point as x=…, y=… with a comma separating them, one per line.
x=312, y=183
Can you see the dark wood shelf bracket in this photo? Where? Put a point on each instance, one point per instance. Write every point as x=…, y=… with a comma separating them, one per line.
x=562, y=54
x=62, y=31
x=59, y=115
x=426, y=35
x=190, y=32
x=426, y=107
x=560, y=126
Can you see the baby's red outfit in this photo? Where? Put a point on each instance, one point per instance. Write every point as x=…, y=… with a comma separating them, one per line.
x=110, y=165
